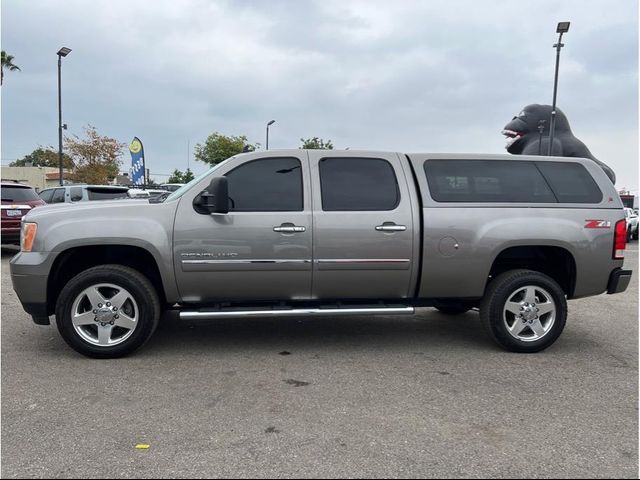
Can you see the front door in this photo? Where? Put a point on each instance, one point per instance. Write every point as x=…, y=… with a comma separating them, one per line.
x=261, y=249
x=364, y=232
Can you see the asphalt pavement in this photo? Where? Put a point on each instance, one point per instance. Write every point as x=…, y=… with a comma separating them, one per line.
x=420, y=396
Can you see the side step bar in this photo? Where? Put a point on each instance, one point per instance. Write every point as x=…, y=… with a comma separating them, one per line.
x=293, y=312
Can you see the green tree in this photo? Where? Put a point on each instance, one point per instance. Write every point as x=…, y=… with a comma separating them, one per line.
x=188, y=176
x=176, y=177
x=96, y=157
x=218, y=147
x=316, y=143
x=7, y=62
x=181, y=177
x=43, y=157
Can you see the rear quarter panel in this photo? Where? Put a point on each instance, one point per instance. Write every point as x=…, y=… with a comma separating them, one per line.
x=483, y=230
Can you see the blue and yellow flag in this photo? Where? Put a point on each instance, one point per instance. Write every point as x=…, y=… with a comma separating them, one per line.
x=137, y=162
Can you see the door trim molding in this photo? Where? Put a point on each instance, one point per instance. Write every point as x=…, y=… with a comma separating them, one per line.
x=237, y=262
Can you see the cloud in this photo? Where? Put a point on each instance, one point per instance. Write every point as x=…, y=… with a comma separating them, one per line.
x=407, y=76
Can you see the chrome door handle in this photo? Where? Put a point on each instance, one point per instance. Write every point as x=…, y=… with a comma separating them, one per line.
x=390, y=227
x=289, y=229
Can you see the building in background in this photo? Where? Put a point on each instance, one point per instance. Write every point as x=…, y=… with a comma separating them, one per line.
x=120, y=179
x=37, y=177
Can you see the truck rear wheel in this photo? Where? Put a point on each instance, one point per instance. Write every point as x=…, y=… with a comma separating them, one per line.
x=524, y=311
x=107, y=311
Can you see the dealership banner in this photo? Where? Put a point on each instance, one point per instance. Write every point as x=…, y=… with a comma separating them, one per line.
x=137, y=162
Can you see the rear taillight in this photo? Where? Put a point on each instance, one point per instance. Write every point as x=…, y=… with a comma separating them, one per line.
x=620, y=240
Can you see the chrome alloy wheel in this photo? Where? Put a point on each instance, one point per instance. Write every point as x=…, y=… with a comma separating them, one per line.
x=529, y=313
x=104, y=315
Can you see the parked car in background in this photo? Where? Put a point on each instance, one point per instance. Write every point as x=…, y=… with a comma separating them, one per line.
x=137, y=193
x=17, y=200
x=146, y=193
x=158, y=194
x=171, y=187
x=632, y=223
x=83, y=193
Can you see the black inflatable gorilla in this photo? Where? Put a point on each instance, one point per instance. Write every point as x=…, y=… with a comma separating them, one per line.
x=525, y=137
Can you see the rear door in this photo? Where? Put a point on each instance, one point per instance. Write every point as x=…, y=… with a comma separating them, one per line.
x=261, y=249
x=364, y=231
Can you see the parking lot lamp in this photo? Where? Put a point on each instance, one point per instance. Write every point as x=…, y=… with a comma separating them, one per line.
x=563, y=27
x=63, y=52
x=270, y=123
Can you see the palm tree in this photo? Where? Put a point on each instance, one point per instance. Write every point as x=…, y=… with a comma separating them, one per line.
x=7, y=62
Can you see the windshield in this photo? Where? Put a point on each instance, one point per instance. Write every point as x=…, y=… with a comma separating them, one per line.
x=185, y=188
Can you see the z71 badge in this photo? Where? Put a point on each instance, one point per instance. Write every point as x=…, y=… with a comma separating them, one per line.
x=597, y=224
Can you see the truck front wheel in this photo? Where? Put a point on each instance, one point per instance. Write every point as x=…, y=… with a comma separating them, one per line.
x=524, y=311
x=107, y=311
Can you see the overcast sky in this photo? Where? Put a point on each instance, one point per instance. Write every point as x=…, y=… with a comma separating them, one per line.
x=436, y=76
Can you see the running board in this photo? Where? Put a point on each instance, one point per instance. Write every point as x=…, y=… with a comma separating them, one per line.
x=293, y=312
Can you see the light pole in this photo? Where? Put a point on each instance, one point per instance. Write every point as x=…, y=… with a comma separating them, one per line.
x=563, y=27
x=270, y=123
x=63, y=52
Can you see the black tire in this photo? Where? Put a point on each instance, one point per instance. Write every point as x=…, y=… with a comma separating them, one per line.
x=629, y=235
x=453, y=308
x=634, y=235
x=499, y=292
x=140, y=288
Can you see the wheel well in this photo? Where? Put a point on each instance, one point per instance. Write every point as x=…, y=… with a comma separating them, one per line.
x=556, y=262
x=75, y=260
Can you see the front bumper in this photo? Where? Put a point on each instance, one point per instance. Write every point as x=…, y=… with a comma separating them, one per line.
x=29, y=275
x=619, y=280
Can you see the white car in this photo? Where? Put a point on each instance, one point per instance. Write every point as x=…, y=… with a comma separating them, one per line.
x=137, y=193
x=148, y=193
x=632, y=224
x=171, y=187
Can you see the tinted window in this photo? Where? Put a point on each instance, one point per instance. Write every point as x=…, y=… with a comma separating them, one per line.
x=18, y=194
x=46, y=195
x=358, y=184
x=106, y=193
x=266, y=185
x=570, y=182
x=76, y=194
x=58, y=195
x=486, y=181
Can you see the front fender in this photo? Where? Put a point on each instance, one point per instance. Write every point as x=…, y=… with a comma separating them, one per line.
x=137, y=224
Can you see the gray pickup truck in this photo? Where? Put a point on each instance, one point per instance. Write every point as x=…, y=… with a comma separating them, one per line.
x=322, y=232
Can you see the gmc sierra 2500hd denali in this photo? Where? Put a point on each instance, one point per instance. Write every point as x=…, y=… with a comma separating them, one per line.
x=317, y=232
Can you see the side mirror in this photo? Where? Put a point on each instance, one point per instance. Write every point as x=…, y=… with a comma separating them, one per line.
x=215, y=199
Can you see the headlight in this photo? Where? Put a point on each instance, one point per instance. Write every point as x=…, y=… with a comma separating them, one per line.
x=27, y=235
